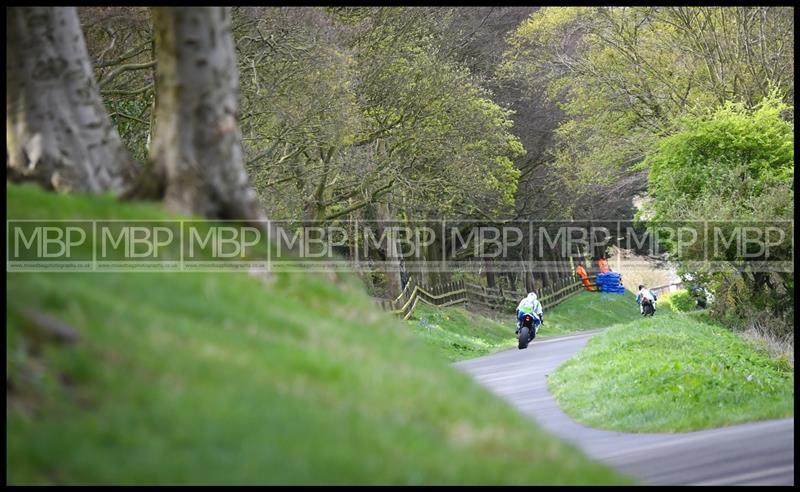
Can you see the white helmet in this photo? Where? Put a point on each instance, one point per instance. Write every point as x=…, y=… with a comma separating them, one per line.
x=532, y=296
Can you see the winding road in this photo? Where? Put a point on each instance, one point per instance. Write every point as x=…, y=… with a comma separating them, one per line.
x=759, y=453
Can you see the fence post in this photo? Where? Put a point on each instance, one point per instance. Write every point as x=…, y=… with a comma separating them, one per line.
x=411, y=284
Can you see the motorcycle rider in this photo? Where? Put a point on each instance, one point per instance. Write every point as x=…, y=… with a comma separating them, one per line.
x=644, y=292
x=530, y=305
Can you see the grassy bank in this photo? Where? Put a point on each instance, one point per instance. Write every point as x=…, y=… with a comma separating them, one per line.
x=672, y=373
x=458, y=334
x=588, y=311
x=182, y=378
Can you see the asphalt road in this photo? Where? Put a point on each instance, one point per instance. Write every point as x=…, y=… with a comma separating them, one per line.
x=759, y=453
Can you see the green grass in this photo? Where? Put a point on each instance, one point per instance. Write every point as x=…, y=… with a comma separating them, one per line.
x=458, y=334
x=588, y=311
x=672, y=373
x=217, y=378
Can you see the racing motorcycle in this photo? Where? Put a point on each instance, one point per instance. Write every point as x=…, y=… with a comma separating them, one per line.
x=647, y=307
x=527, y=330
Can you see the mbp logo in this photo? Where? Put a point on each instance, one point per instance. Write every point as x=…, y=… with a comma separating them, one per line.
x=49, y=245
x=135, y=245
x=134, y=241
x=226, y=246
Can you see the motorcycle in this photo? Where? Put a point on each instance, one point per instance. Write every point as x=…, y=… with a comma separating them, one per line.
x=648, y=309
x=701, y=297
x=527, y=331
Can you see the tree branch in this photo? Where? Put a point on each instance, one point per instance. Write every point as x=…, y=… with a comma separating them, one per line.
x=127, y=93
x=363, y=203
x=127, y=116
x=130, y=54
x=125, y=68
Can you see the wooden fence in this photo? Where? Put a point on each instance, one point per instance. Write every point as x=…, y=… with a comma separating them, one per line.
x=661, y=289
x=467, y=294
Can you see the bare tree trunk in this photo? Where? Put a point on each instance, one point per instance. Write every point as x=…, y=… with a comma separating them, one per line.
x=439, y=255
x=197, y=148
x=490, y=280
x=512, y=280
x=433, y=261
x=392, y=266
x=58, y=132
x=526, y=276
x=549, y=275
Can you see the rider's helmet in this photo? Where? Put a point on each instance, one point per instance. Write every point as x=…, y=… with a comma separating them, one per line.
x=532, y=296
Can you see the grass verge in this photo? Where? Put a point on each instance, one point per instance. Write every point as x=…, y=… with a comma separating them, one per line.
x=588, y=311
x=220, y=378
x=458, y=334
x=672, y=373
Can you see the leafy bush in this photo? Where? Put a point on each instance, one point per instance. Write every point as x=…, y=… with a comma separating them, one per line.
x=740, y=150
x=682, y=301
x=733, y=166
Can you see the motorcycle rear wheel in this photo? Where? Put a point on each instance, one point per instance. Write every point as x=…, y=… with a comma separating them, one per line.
x=524, y=337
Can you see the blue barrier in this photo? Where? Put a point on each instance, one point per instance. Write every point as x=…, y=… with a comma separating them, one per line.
x=610, y=282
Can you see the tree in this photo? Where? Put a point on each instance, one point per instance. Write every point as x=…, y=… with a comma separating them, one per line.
x=299, y=109
x=733, y=167
x=196, y=154
x=121, y=45
x=624, y=75
x=57, y=130
x=354, y=113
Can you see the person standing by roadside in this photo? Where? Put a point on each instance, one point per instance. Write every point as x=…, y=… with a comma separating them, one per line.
x=581, y=271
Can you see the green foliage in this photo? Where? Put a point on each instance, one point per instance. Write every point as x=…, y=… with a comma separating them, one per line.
x=672, y=373
x=432, y=119
x=625, y=75
x=545, y=26
x=217, y=378
x=340, y=107
x=344, y=107
x=130, y=117
x=679, y=301
x=734, y=151
x=297, y=102
x=733, y=166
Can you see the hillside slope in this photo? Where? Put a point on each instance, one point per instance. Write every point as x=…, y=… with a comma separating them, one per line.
x=182, y=378
x=672, y=373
